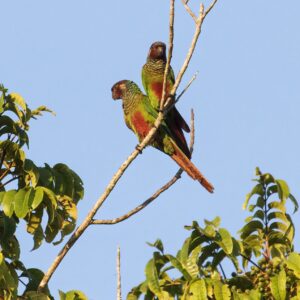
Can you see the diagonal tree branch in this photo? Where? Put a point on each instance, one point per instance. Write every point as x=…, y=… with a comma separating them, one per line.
x=157, y=193
x=78, y=232
x=89, y=218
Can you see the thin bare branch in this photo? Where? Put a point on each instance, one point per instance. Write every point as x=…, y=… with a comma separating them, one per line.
x=188, y=9
x=170, y=51
x=119, y=290
x=187, y=86
x=210, y=8
x=169, y=103
x=158, y=192
x=197, y=32
x=9, y=181
x=8, y=166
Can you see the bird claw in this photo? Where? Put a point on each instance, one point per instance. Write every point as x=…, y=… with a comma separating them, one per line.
x=138, y=148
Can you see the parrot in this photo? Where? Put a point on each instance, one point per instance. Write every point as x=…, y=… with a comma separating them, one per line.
x=140, y=117
x=152, y=79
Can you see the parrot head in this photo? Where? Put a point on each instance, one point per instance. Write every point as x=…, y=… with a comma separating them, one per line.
x=124, y=89
x=119, y=89
x=157, y=51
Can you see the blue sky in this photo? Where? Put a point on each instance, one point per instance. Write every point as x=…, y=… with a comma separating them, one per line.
x=68, y=54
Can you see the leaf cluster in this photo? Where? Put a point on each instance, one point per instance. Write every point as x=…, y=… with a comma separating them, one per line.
x=44, y=197
x=265, y=243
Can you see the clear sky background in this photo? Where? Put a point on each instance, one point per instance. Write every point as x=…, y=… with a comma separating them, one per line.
x=68, y=54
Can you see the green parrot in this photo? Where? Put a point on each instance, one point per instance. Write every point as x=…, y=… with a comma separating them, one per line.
x=152, y=78
x=140, y=117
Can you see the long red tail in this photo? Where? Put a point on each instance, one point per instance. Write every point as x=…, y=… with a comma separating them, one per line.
x=191, y=169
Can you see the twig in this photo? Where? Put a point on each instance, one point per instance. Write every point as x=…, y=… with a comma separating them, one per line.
x=7, y=170
x=119, y=290
x=222, y=270
x=197, y=32
x=252, y=262
x=169, y=105
x=210, y=8
x=9, y=181
x=170, y=51
x=158, y=192
x=185, y=4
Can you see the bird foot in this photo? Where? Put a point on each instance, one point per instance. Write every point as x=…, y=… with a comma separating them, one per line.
x=138, y=148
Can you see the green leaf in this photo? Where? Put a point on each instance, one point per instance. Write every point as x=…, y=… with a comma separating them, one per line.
x=215, y=222
x=210, y=231
x=277, y=205
x=152, y=278
x=8, y=202
x=22, y=202
x=38, y=197
x=250, y=228
x=293, y=263
x=277, y=215
x=283, y=189
x=221, y=291
x=197, y=290
x=267, y=178
x=72, y=295
x=18, y=99
x=38, y=237
x=32, y=172
x=7, y=227
x=295, y=202
x=34, y=276
x=33, y=295
x=34, y=220
x=278, y=286
x=11, y=248
x=257, y=190
x=218, y=257
x=158, y=244
x=183, y=254
x=191, y=263
x=178, y=265
x=226, y=241
x=6, y=276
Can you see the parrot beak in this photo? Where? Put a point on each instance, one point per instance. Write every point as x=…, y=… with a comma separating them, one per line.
x=115, y=96
x=115, y=92
x=160, y=51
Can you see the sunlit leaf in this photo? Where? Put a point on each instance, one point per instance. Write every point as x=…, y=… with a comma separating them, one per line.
x=38, y=197
x=152, y=278
x=221, y=291
x=283, y=189
x=293, y=263
x=257, y=190
x=8, y=202
x=197, y=290
x=226, y=240
x=278, y=286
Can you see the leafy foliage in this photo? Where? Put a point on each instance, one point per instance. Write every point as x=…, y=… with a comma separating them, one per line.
x=266, y=242
x=44, y=197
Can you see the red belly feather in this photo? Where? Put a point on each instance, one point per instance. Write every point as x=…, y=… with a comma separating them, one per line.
x=140, y=124
x=157, y=88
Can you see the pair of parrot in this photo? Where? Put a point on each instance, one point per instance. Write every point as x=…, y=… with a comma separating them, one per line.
x=141, y=111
